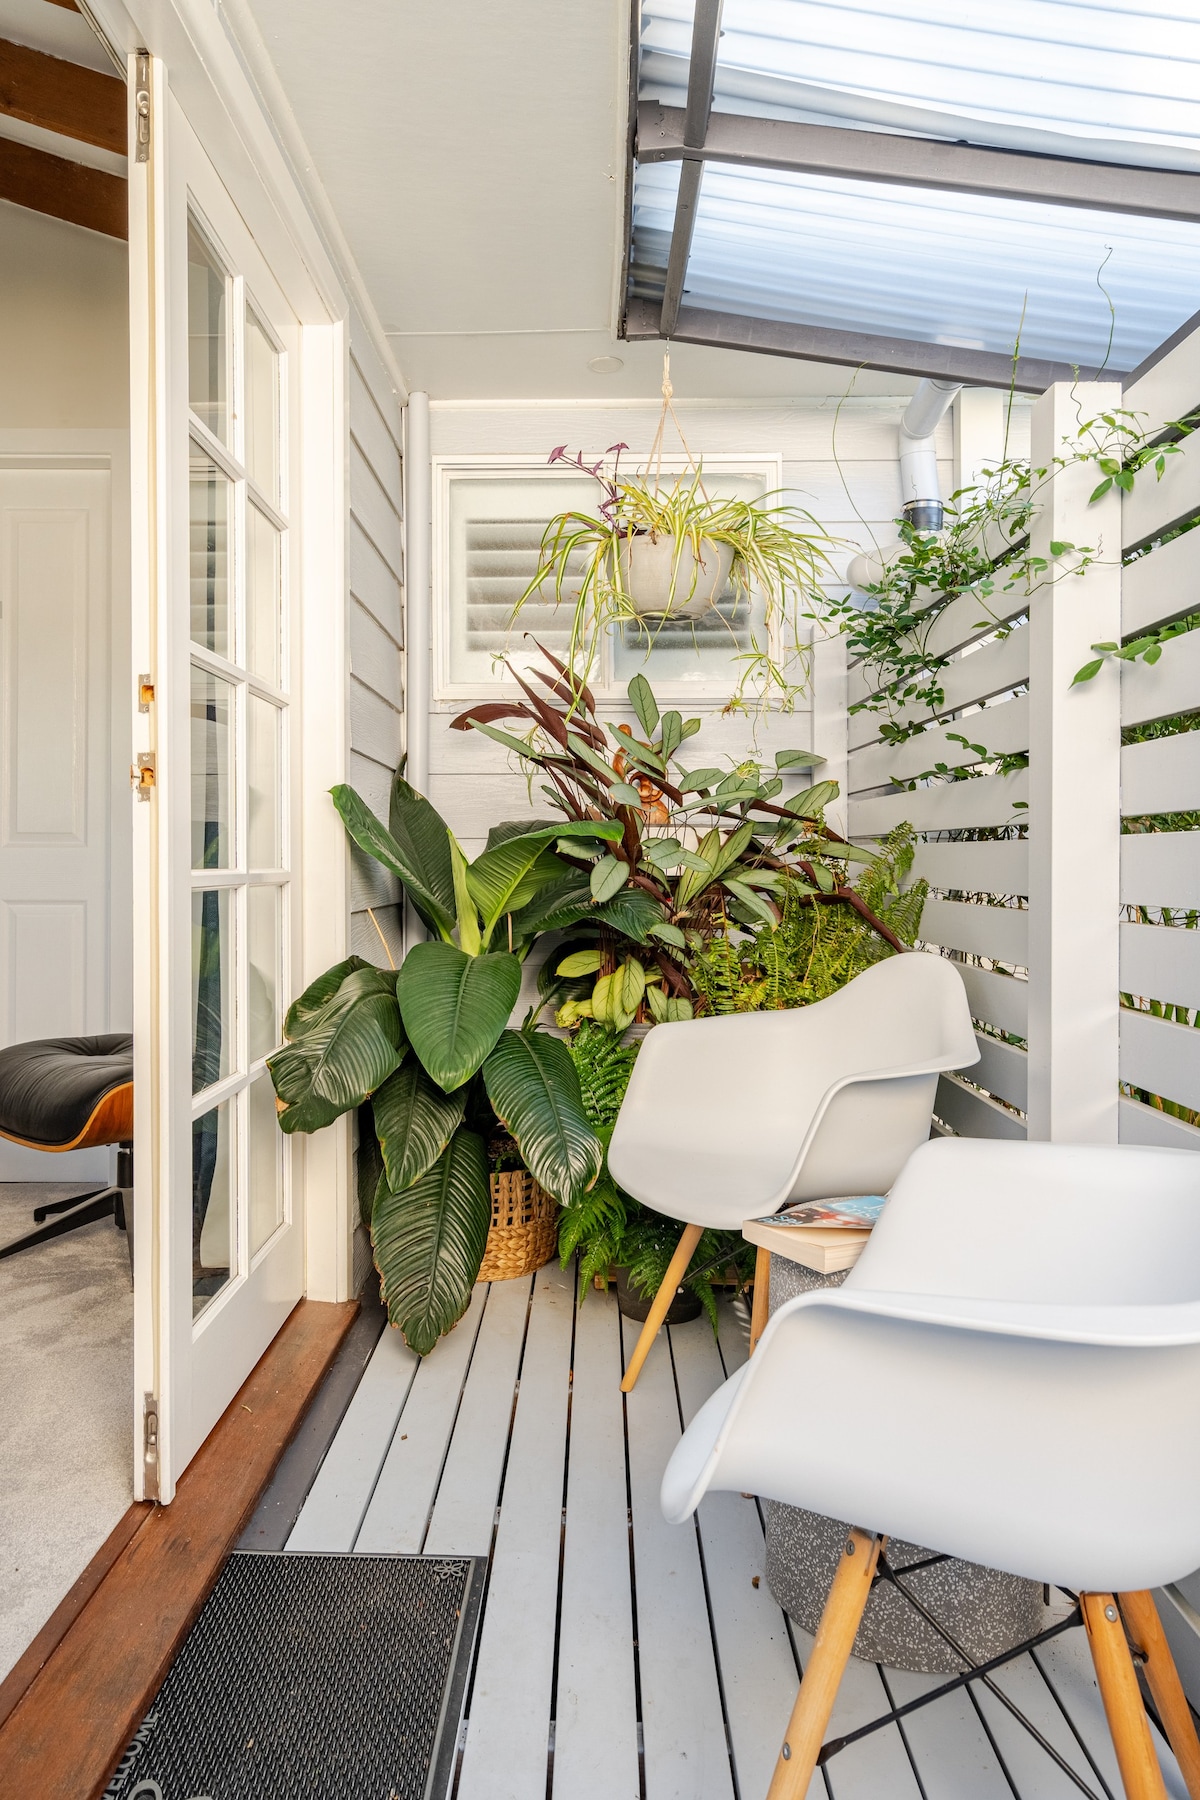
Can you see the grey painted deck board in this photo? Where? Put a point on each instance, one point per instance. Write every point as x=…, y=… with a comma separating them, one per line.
x=683, y=1726
x=464, y=1514
x=400, y=1508
x=595, y=1742
x=467, y=1454
x=508, y=1735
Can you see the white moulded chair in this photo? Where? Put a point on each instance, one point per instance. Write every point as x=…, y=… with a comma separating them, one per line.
x=726, y=1119
x=1037, y=1307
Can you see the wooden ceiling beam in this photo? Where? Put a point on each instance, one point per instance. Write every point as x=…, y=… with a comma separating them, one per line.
x=69, y=4
x=62, y=96
x=66, y=190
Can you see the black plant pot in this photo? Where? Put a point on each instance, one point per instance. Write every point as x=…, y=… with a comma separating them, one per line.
x=685, y=1305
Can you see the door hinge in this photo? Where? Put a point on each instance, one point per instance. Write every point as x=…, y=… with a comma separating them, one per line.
x=150, y=1465
x=141, y=106
x=145, y=693
x=143, y=775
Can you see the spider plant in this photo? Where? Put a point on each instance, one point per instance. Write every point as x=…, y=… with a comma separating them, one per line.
x=777, y=551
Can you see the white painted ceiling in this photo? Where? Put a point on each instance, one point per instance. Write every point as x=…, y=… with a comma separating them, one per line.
x=474, y=153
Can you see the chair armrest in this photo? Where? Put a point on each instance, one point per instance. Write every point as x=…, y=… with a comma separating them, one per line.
x=1132, y=1327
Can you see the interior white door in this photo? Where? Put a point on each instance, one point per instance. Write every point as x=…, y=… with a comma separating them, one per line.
x=55, y=786
x=214, y=839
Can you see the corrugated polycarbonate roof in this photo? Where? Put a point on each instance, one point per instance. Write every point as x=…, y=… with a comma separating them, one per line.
x=1117, y=84
x=939, y=268
x=1012, y=73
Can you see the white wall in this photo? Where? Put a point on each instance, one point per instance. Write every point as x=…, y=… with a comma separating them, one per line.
x=375, y=622
x=64, y=330
x=839, y=462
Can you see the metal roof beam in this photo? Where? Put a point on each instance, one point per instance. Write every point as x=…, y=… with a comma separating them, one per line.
x=856, y=349
x=916, y=162
x=693, y=127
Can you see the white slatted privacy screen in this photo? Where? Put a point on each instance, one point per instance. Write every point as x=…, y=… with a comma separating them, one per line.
x=1069, y=892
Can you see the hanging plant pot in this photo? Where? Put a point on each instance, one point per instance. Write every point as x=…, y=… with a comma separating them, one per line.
x=661, y=584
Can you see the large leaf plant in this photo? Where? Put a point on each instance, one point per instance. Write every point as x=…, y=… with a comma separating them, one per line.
x=667, y=857
x=427, y=1056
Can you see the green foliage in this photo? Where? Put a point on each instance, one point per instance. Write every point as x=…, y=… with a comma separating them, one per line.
x=425, y=1091
x=816, y=948
x=984, y=550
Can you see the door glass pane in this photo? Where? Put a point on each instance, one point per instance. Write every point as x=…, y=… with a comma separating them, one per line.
x=212, y=771
x=208, y=570
x=208, y=336
x=262, y=758
x=214, y=1213
x=213, y=1022
x=262, y=946
x=262, y=410
x=262, y=596
x=266, y=1164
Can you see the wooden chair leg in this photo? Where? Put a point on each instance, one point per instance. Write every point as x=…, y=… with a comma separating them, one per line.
x=661, y=1304
x=1127, y=1721
x=1146, y=1631
x=762, y=1291
x=822, y=1678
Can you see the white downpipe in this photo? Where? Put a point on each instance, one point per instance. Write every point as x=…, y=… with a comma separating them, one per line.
x=920, y=485
x=418, y=605
x=920, y=488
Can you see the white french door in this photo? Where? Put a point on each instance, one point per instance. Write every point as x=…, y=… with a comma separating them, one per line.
x=216, y=824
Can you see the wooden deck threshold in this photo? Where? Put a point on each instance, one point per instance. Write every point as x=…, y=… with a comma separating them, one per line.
x=73, y=1701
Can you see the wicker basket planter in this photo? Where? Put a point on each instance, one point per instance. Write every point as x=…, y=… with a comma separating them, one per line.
x=524, y=1229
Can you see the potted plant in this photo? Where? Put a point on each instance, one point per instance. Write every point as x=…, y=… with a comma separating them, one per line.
x=660, y=548
x=707, y=858
x=428, y=1058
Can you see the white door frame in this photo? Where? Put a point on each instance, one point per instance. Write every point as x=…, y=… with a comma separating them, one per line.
x=321, y=865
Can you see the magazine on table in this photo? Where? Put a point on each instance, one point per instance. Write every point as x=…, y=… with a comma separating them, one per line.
x=844, y=1212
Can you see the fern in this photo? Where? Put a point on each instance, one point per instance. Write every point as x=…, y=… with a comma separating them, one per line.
x=815, y=949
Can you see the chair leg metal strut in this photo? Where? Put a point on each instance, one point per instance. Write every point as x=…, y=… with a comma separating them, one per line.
x=661, y=1304
x=1106, y=1618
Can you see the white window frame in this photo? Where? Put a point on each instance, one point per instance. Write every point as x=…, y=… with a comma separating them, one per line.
x=451, y=695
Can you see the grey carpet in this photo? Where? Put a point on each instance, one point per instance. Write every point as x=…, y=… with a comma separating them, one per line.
x=66, y=1408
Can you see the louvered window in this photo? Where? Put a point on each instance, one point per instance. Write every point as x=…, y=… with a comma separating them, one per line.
x=492, y=529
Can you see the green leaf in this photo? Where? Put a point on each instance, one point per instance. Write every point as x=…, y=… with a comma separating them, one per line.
x=317, y=996
x=506, y=738
x=813, y=800
x=641, y=698
x=516, y=828
x=429, y=1241
x=532, y=1084
x=668, y=933
x=554, y=908
x=672, y=733
x=346, y=1050
x=700, y=779
x=678, y=1010
x=792, y=759
x=584, y=962
x=608, y=877
x=633, y=912
x=606, y=1004
x=750, y=901
x=656, y=1000
x=1088, y=671
x=630, y=984
x=506, y=878
x=419, y=857
x=455, y=1006
x=414, y=1121
x=624, y=795
x=469, y=938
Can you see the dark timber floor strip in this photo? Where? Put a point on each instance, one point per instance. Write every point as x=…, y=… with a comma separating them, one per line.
x=68, y=1730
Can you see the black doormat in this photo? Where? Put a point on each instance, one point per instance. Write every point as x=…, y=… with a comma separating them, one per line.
x=335, y=1677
